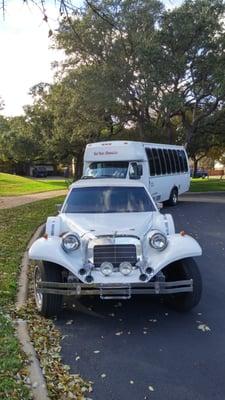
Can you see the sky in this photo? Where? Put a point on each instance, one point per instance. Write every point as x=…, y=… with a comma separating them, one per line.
x=25, y=51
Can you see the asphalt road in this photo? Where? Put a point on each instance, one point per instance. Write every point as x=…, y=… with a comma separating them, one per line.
x=143, y=349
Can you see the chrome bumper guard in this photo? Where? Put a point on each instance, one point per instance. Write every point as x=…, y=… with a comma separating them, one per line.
x=116, y=291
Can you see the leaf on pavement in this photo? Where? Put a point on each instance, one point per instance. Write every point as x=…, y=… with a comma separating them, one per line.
x=204, y=328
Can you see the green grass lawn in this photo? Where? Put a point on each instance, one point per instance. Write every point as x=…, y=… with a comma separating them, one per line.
x=16, y=227
x=207, y=185
x=14, y=185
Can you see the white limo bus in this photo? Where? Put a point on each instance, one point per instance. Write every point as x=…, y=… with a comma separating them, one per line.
x=110, y=240
x=163, y=168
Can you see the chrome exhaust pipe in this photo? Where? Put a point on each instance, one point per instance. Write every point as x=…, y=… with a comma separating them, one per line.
x=88, y=268
x=82, y=271
x=148, y=270
x=143, y=277
x=89, y=278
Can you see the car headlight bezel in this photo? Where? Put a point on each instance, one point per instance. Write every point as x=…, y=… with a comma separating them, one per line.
x=125, y=266
x=157, y=237
x=76, y=242
x=104, y=266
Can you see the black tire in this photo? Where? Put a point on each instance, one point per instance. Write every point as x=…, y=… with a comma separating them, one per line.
x=181, y=270
x=48, y=305
x=173, y=199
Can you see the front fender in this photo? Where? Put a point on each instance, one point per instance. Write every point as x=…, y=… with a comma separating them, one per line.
x=179, y=247
x=51, y=250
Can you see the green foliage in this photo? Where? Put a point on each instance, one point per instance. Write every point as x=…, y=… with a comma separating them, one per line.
x=12, y=365
x=193, y=43
x=13, y=242
x=133, y=70
x=207, y=185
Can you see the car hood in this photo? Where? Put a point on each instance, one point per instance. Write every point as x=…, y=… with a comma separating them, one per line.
x=108, y=224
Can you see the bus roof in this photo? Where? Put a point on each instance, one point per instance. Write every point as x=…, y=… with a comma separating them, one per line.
x=121, y=150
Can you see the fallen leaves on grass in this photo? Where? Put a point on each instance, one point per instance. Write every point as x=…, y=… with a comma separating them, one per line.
x=46, y=340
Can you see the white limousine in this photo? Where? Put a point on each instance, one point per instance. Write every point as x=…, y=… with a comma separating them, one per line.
x=110, y=239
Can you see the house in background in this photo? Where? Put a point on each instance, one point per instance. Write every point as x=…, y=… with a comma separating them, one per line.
x=42, y=170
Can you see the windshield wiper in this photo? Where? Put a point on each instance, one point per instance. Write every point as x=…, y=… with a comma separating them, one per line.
x=87, y=177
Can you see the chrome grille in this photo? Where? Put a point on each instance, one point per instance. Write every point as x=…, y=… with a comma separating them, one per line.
x=115, y=253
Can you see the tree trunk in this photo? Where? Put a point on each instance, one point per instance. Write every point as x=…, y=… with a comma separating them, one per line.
x=169, y=128
x=141, y=125
x=195, y=167
x=79, y=165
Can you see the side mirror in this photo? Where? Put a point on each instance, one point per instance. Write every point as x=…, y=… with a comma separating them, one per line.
x=139, y=169
x=159, y=206
x=136, y=171
x=59, y=207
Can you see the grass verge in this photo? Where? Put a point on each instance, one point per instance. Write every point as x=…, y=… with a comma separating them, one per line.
x=16, y=227
x=207, y=185
x=13, y=185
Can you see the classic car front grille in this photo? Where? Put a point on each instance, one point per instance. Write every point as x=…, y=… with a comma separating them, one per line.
x=115, y=253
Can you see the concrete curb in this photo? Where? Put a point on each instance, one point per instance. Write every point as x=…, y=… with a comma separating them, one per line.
x=209, y=192
x=38, y=384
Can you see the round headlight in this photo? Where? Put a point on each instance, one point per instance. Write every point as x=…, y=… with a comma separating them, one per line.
x=158, y=241
x=106, y=268
x=125, y=268
x=70, y=242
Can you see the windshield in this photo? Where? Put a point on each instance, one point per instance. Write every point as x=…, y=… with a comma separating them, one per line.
x=109, y=169
x=108, y=200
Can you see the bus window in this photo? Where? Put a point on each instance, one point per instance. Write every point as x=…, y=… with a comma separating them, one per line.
x=157, y=162
x=168, y=164
x=150, y=161
x=179, y=152
x=184, y=160
x=176, y=161
x=173, y=167
x=162, y=161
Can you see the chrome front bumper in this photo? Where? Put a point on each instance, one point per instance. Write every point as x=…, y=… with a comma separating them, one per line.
x=115, y=291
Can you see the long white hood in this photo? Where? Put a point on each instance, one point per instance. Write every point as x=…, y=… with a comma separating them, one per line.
x=107, y=224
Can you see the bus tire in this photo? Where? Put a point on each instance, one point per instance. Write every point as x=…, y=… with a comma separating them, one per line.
x=173, y=199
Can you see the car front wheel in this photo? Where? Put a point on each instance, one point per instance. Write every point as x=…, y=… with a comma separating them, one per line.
x=184, y=270
x=47, y=304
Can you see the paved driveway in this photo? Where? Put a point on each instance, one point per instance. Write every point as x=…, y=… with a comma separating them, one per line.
x=139, y=349
x=15, y=201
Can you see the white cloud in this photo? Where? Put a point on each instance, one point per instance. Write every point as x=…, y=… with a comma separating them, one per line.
x=25, y=54
x=24, y=50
